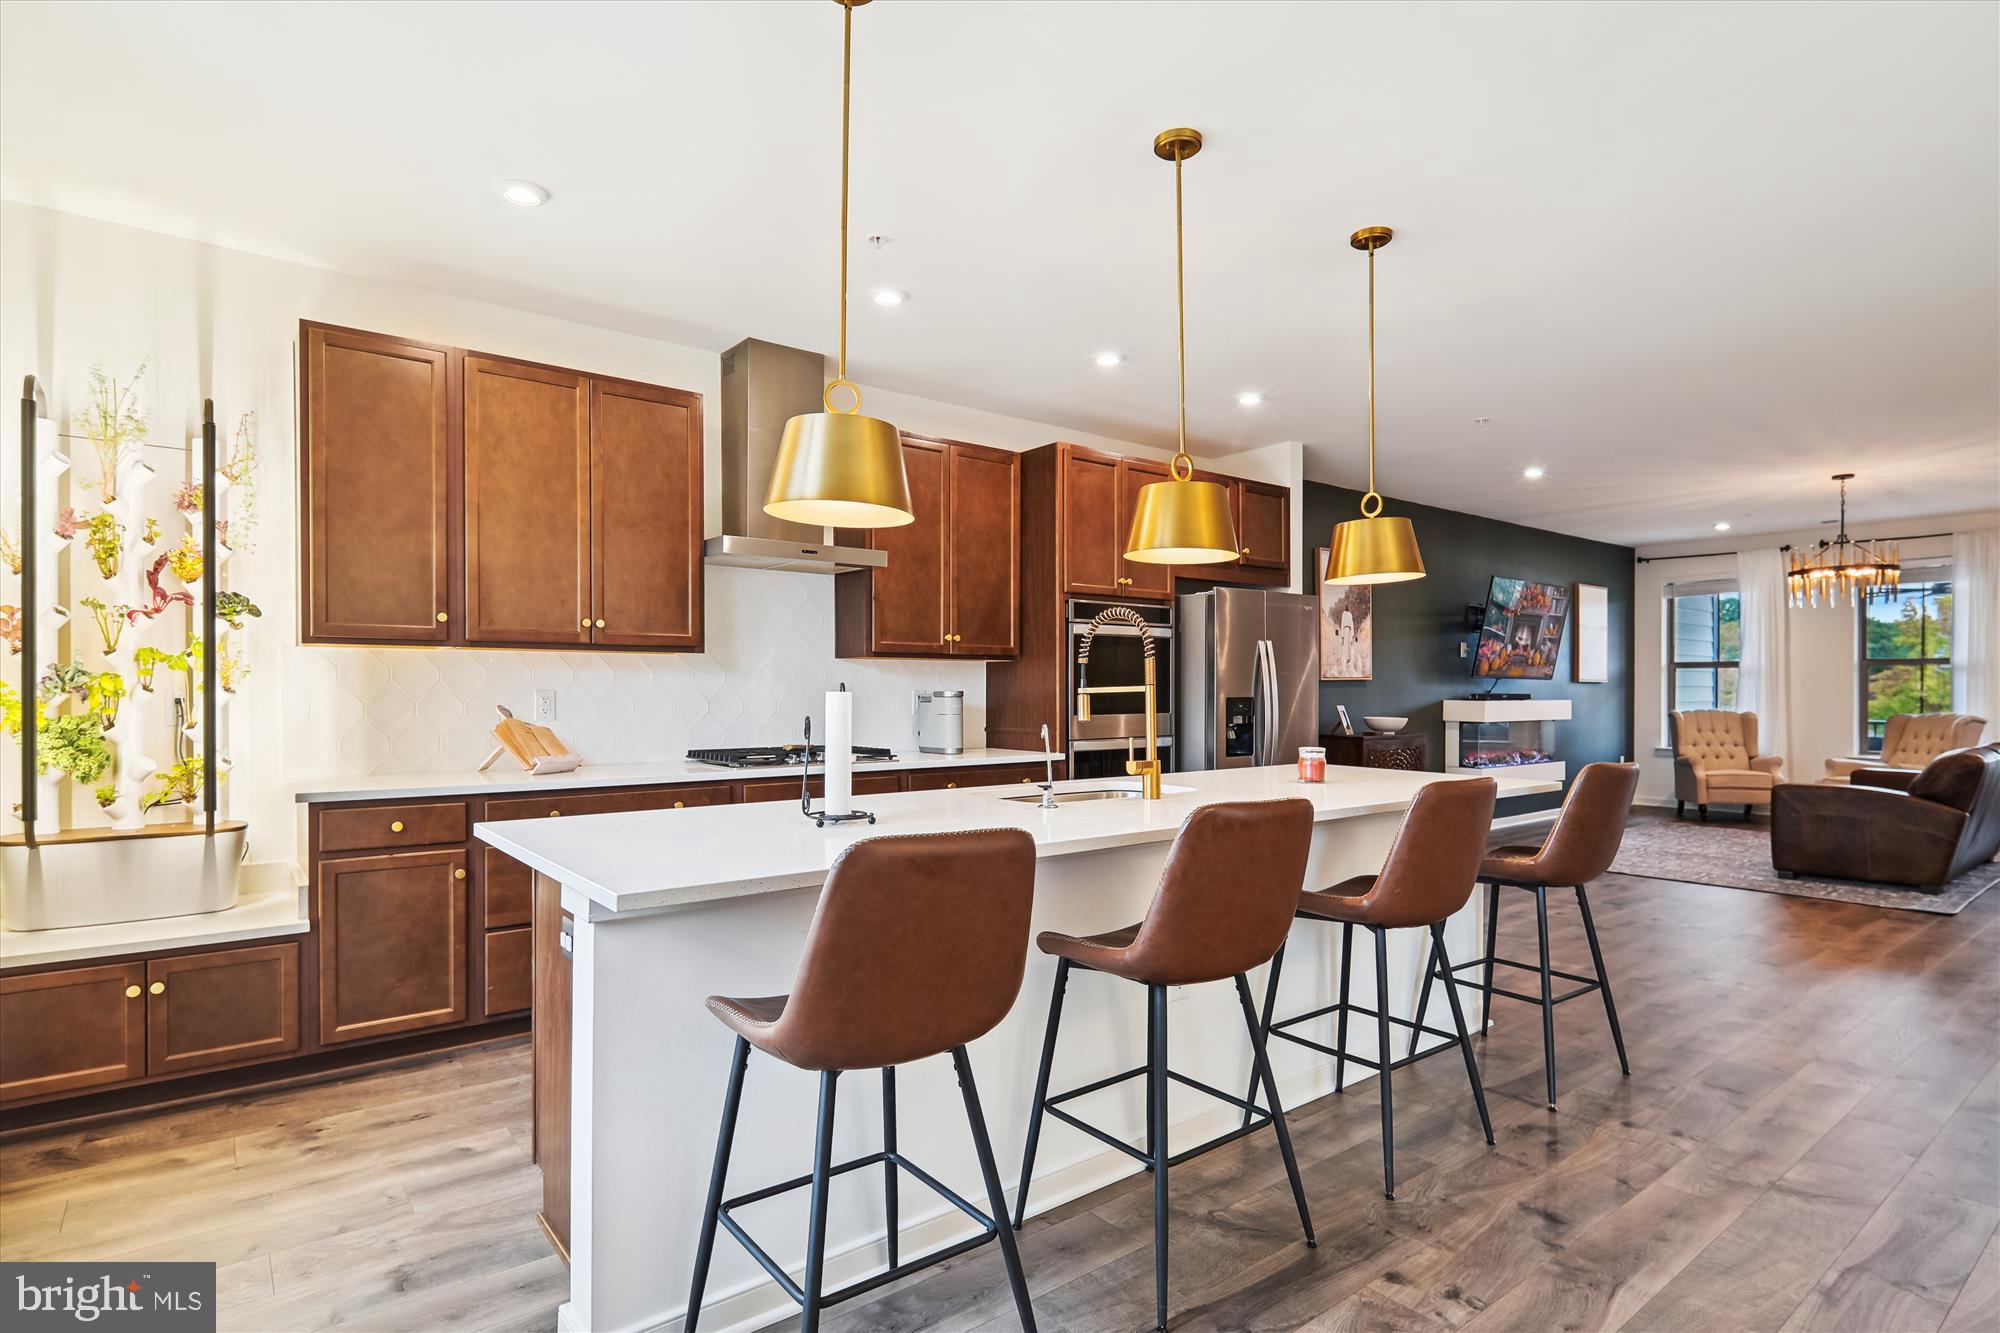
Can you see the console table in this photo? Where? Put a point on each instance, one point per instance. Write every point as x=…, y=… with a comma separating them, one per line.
x=1378, y=749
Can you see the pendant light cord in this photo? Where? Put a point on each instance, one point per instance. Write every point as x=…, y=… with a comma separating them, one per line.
x=1371, y=372
x=846, y=96
x=1180, y=312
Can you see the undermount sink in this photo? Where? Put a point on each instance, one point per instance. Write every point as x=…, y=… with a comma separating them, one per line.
x=1095, y=794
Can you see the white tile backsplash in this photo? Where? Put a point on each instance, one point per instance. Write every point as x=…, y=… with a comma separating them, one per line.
x=768, y=662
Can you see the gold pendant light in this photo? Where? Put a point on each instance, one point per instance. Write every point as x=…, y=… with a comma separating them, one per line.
x=1373, y=549
x=837, y=468
x=1182, y=521
x=1840, y=568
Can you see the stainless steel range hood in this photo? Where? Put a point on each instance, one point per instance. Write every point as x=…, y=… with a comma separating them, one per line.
x=764, y=385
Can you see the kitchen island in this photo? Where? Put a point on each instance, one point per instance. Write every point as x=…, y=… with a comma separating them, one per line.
x=641, y=915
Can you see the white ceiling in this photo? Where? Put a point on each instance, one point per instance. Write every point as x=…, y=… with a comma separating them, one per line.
x=1690, y=258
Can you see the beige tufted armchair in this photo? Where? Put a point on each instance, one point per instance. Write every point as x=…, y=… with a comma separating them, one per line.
x=1912, y=740
x=1716, y=761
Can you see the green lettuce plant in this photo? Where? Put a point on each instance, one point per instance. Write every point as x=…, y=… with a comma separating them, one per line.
x=75, y=744
x=112, y=420
x=181, y=782
x=106, y=794
x=233, y=606
x=105, y=536
x=110, y=620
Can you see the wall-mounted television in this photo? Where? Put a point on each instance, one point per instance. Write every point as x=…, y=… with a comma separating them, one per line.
x=1523, y=630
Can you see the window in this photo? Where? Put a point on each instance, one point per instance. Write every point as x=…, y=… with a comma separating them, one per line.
x=1704, y=648
x=1905, y=656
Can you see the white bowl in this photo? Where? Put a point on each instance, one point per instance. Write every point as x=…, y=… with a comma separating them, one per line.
x=1386, y=724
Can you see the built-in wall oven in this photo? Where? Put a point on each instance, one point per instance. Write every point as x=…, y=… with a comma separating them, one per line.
x=1097, y=747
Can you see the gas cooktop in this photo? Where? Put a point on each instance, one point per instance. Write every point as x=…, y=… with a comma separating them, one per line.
x=778, y=756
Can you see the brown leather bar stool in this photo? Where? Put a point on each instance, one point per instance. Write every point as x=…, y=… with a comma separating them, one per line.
x=1427, y=877
x=1580, y=847
x=1222, y=907
x=917, y=948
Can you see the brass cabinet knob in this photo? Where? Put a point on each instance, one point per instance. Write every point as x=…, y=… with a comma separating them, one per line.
x=555, y=814
x=1246, y=550
x=458, y=873
x=585, y=622
x=680, y=805
x=131, y=992
x=951, y=784
x=395, y=826
x=442, y=617
x=600, y=624
x=157, y=988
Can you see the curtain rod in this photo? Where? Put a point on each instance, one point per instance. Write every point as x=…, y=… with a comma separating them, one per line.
x=1704, y=555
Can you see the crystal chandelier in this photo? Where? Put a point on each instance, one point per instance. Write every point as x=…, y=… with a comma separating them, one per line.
x=1843, y=569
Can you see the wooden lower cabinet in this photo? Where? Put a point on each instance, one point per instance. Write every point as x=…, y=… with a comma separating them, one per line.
x=392, y=943
x=509, y=985
x=66, y=1031
x=552, y=980
x=222, y=1008
x=942, y=779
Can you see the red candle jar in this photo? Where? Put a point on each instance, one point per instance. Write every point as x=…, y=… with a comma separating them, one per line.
x=1312, y=763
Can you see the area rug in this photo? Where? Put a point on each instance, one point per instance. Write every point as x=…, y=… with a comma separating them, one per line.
x=1738, y=856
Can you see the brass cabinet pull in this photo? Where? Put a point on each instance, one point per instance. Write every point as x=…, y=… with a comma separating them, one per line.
x=131, y=992
x=458, y=873
x=395, y=826
x=600, y=624
x=951, y=784
x=157, y=988
x=680, y=805
x=586, y=622
x=442, y=617
x=555, y=814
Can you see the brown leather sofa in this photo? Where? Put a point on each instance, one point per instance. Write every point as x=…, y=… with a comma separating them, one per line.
x=1716, y=761
x=1889, y=827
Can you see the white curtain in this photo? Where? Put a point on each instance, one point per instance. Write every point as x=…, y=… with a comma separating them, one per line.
x=1975, y=630
x=1762, y=680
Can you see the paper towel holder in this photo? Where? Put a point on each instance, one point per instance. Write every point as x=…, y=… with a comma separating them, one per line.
x=821, y=817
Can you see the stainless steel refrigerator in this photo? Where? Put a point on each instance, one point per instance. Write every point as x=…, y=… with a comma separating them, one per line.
x=1247, y=678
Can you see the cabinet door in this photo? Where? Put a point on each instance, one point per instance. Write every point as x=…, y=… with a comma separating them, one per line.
x=508, y=968
x=221, y=1008
x=1264, y=526
x=65, y=1031
x=909, y=599
x=552, y=1004
x=527, y=503
x=377, y=470
x=984, y=531
x=391, y=943
x=645, y=516
x=506, y=886
x=1138, y=578
x=1093, y=540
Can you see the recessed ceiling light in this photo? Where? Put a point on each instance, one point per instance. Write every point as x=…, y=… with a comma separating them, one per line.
x=1722, y=526
x=1533, y=473
x=891, y=296
x=524, y=194
x=1250, y=399
x=1482, y=421
x=1110, y=359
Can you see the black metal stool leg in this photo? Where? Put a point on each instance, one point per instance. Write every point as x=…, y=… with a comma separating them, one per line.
x=889, y=1200
x=1041, y=1092
x=1492, y=943
x=731, y=1099
x=995, y=1200
x=1340, y=1019
x=816, y=1227
x=1548, y=1002
x=1260, y=1059
x=1385, y=1059
x=1424, y=996
x=1264, y=1032
x=1156, y=1142
x=1603, y=979
x=1464, y=1042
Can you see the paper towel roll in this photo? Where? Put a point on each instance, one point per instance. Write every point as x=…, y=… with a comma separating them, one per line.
x=839, y=752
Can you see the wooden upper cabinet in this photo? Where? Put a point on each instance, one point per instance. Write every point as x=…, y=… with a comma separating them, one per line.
x=527, y=503
x=77, y=1028
x=1138, y=579
x=645, y=516
x=1092, y=536
x=985, y=524
x=952, y=584
x=378, y=471
x=1264, y=525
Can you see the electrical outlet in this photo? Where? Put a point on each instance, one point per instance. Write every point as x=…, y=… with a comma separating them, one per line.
x=545, y=705
x=1464, y=649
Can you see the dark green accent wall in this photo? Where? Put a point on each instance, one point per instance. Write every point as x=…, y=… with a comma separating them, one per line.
x=1419, y=627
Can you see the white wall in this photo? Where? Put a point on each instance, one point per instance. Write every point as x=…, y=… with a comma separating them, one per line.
x=1824, y=680
x=220, y=323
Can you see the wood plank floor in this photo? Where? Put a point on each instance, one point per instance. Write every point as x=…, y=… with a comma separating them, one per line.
x=1810, y=1140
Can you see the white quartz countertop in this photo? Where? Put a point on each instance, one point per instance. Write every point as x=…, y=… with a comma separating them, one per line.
x=506, y=777
x=667, y=858
x=273, y=908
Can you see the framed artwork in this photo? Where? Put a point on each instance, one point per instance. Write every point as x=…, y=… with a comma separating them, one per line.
x=1591, y=662
x=1346, y=722
x=1346, y=625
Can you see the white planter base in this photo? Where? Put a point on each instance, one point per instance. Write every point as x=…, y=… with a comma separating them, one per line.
x=120, y=877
